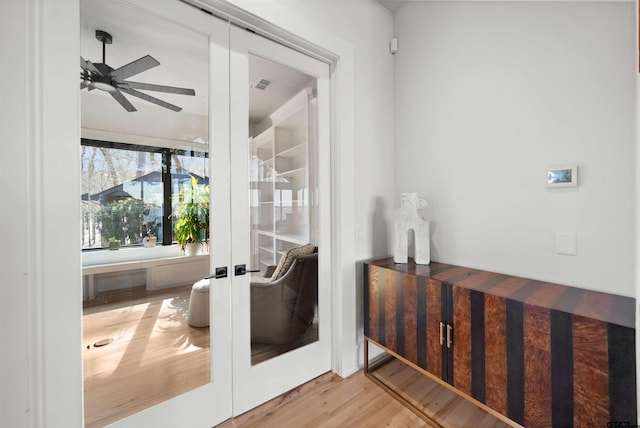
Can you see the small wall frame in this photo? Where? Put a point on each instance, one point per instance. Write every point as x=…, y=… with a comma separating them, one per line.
x=562, y=176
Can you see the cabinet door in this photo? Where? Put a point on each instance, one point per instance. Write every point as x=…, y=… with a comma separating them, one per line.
x=436, y=313
x=404, y=313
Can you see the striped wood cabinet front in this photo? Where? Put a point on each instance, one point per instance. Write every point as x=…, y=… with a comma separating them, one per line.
x=541, y=354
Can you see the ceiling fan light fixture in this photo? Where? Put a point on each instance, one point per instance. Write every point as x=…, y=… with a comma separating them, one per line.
x=102, y=76
x=103, y=86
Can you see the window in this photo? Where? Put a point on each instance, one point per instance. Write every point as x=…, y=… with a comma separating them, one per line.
x=129, y=192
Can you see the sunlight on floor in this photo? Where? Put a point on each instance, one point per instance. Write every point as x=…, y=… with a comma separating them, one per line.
x=155, y=355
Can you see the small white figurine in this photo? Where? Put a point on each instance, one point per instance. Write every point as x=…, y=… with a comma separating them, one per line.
x=406, y=217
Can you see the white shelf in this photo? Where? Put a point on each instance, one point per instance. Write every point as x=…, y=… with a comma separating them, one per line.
x=267, y=249
x=294, y=239
x=263, y=232
x=293, y=202
x=292, y=173
x=283, y=152
x=293, y=152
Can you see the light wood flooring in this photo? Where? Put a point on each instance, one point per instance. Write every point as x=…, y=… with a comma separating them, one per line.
x=155, y=355
x=150, y=336
x=436, y=401
x=147, y=335
x=330, y=401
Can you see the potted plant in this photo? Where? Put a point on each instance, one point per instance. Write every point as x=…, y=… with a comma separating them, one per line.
x=191, y=228
x=114, y=243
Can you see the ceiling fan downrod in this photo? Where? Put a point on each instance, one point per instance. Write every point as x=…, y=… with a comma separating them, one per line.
x=106, y=39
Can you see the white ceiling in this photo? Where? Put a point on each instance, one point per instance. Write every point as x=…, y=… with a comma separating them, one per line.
x=183, y=57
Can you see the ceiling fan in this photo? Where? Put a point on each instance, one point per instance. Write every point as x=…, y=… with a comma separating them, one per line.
x=102, y=76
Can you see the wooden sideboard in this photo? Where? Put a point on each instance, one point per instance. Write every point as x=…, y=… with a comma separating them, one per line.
x=541, y=354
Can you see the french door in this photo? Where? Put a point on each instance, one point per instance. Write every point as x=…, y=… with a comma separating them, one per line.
x=210, y=403
x=269, y=196
x=279, y=202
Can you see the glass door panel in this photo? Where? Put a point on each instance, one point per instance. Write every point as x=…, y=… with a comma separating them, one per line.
x=151, y=149
x=283, y=301
x=282, y=334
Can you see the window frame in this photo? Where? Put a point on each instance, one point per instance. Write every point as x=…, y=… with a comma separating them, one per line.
x=165, y=172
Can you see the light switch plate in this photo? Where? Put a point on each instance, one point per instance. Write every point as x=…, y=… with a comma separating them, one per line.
x=566, y=243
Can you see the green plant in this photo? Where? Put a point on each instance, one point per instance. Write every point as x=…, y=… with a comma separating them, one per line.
x=192, y=223
x=114, y=243
x=121, y=220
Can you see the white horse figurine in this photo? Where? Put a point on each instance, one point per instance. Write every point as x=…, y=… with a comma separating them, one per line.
x=406, y=217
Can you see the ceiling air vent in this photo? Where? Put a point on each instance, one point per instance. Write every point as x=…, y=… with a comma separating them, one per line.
x=262, y=84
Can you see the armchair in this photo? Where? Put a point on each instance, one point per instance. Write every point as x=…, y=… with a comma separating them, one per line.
x=283, y=309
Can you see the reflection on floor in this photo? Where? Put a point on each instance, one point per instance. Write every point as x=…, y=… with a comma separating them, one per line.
x=436, y=402
x=154, y=356
x=262, y=351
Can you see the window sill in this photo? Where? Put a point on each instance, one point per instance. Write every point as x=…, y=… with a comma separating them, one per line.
x=93, y=259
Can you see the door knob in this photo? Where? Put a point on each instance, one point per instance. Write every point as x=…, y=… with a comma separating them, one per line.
x=221, y=272
x=242, y=269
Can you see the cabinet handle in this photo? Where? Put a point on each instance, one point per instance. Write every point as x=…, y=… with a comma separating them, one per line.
x=441, y=333
x=449, y=335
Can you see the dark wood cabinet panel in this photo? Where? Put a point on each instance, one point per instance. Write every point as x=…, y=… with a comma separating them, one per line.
x=541, y=354
x=495, y=360
x=461, y=348
x=433, y=317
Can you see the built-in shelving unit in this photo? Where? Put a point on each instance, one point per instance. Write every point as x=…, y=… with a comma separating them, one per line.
x=281, y=178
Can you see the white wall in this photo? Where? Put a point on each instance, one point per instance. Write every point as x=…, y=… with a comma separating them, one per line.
x=40, y=333
x=13, y=261
x=488, y=95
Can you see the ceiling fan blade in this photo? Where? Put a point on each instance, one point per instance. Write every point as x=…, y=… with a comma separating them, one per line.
x=135, y=67
x=117, y=95
x=88, y=66
x=150, y=99
x=160, y=88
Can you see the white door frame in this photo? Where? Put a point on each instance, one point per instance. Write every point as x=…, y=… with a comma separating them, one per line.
x=46, y=36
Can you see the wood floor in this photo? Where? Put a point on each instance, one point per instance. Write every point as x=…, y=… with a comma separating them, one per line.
x=435, y=401
x=146, y=333
x=150, y=336
x=330, y=401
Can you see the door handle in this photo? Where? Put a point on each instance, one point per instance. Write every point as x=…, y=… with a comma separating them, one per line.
x=441, y=333
x=242, y=269
x=449, y=335
x=221, y=272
